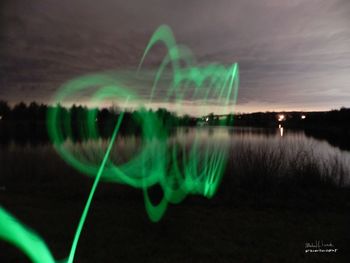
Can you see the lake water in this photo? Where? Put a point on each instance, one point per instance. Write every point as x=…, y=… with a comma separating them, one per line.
x=256, y=145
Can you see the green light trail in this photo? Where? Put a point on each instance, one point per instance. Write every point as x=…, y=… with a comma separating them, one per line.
x=92, y=192
x=12, y=231
x=178, y=169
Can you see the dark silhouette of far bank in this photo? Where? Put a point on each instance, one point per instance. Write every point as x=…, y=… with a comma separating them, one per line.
x=26, y=123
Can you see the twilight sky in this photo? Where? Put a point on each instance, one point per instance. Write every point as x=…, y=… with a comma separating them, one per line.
x=293, y=54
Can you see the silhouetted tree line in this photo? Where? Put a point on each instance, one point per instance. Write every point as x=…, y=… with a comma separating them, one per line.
x=332, y=126
x=257, y=119
x=28, y=122
x=334, y=118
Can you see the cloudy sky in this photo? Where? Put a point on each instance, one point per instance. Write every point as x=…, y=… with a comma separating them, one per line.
x=293, y=54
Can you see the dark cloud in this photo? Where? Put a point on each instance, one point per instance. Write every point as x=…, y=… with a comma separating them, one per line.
x=292, y=54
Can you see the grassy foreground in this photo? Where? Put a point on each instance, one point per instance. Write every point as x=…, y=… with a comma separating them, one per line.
x=270, y=203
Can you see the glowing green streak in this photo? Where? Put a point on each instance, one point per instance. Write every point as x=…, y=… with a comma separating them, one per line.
x=30, y=243
x=92, y=192
x=198, y=171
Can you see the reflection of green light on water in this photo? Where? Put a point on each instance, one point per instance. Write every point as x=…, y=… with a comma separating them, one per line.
x=177, y=170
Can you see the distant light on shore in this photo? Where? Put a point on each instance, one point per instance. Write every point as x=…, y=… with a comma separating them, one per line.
x=281, y=117
x=303, y=117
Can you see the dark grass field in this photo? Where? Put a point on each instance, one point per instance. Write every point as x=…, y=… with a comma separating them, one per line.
x=118, y=230
x=258, y=215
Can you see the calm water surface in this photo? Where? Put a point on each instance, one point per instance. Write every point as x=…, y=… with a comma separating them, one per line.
x=20, y=158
